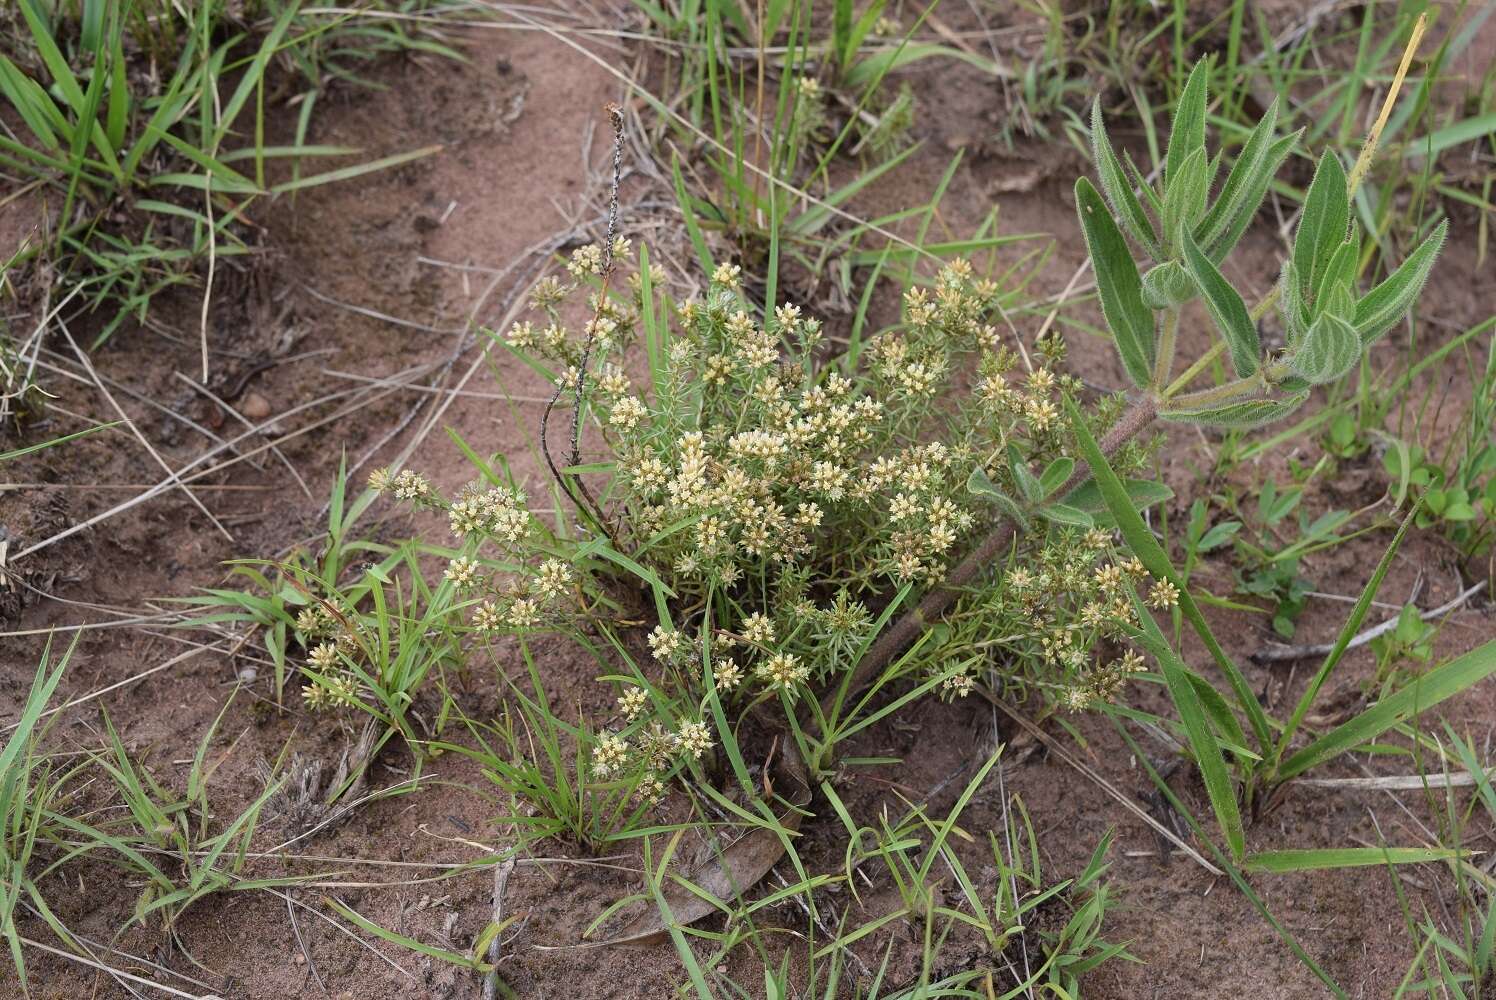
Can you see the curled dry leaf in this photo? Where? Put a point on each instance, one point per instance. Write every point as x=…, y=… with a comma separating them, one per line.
x=737, y=868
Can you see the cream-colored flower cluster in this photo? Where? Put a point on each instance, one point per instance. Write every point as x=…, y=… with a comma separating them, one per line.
x=1060, y=615
x=649, y=753
x=330, y=649
x=479, y=516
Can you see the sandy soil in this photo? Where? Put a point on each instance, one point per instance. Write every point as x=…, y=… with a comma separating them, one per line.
x=366, y=291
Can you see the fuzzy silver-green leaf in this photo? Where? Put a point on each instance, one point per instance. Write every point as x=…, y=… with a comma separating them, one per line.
x=1322, y=226
x=1227, y=310
x=1242, y=414
x=1241, y=180
x=1185, y=197
x=1187, y=136
x=1330, y=349
x=1168, y=285
x=1117, y=188
x=1389, y=301
x=1251, y=197
x=1117, y=282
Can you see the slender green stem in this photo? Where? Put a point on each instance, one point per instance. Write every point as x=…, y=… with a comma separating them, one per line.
x=1163, y=364
x=1194, y=369
x=1226, y=392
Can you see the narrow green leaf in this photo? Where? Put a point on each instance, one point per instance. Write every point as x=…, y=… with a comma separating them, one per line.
x=1206, y=751
x=1422, y=694
x=1141, y=494
x=1322, y=227
x=1055, y=474
x=1241, y=180
x=1251, y=197
x=440, y=954
x=1318, y=859
x=980, y=484
x=1118, y=189
x=1227, y=310
x=1187, y=136
x=1389, y=301
x=1061, y=513
x=357, y=170
x=878, y=65
x=1027, y=482
x=1184, y=199
x=1347, y=632
x=1147, y=548
x=1246, y=413
x=1117, y=281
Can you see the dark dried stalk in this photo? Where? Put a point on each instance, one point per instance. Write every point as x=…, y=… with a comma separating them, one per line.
x=1135, y=419
x=574, y=485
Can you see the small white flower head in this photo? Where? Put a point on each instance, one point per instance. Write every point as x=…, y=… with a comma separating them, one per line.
x=782, y=670
x=810, y=87
x=463, y=572
x=1077, y=699
x=758, y=628
x=1109, y=579
x=488, y=618
x=522, y=336
x=343, y=689
x=586, y=260
x=627, y=413
x=664, y=643
x=523, y=613
x=694, y=738
x=323, y=657
x=1041, y=415
x=1041, y=381
x=380, y=480
x=902, y=508
x=409, y=485
x=632, y=702
x=1163, y=595
x=958, y=686
x=727, y=275
x=727, y=673
x=651, y=790
x=609, y=756
x=553, y=579
x=314, y=695
x=311, y=620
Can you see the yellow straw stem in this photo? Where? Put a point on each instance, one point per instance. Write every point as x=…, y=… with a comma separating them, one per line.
x=1369, y=150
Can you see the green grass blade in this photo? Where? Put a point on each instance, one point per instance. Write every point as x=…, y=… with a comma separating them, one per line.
x=1207, y=751
x=1319, y=859
x=1422, y=694
x=357, y=170
x=1348, y=632
x=1142, y=543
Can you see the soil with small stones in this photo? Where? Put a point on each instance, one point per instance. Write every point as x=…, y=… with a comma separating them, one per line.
x=341, y=339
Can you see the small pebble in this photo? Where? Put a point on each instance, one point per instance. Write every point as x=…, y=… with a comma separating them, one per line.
x=254, y=406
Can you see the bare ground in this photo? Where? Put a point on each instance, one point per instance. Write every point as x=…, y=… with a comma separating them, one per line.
x=366, y=290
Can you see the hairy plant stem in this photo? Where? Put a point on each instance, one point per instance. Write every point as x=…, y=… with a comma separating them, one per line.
x=1163, y=365
x=1134, y=420
x=1252, y=386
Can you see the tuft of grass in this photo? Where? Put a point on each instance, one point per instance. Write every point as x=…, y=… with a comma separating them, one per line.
x=180, y=153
